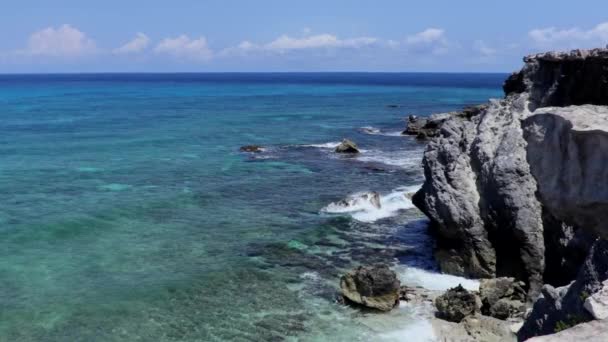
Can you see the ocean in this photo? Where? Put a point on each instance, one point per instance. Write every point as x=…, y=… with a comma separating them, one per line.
x=128, y=212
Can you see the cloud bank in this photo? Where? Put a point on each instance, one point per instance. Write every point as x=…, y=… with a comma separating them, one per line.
x=63, y=41
x=552, y=37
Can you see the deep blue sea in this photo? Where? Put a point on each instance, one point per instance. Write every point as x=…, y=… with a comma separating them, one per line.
x=128, y=213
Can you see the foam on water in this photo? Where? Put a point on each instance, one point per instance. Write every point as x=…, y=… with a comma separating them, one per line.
x=331, y=145
x=371, y=206
x=416, y=330
x=377, y=131
x=433, y=280
x=404, y=159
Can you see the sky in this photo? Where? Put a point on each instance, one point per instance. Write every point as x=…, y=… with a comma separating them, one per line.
x=43, y=36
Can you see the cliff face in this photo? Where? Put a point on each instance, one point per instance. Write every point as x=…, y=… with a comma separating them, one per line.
x=520, y=188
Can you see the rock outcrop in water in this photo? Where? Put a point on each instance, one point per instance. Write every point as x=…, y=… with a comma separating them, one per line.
x=518, y=188
x=347, y=146
x=375, y=287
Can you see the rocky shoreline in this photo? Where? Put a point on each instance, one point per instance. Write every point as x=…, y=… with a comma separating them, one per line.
x=517, y=193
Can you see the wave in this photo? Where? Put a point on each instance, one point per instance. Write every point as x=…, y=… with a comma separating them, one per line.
x=371, y=206
x=433, y=280
x=377, y=131
x=331, y=145
x=403, y=159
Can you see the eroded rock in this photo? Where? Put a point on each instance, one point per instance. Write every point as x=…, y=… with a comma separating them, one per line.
x=347, y=146
x=456, y=304
x=375, y=287
x=502, y=297
x=564, y=307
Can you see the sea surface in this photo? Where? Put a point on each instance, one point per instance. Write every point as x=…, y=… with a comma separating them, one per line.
x=127, y=212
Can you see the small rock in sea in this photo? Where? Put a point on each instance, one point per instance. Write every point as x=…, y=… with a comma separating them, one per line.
x=251, y=148
x=393, y=106
x=456, y=304
x=347, y=146
x=375, y=287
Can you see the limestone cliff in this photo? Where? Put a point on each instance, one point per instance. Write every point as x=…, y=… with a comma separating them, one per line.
x=521, y=188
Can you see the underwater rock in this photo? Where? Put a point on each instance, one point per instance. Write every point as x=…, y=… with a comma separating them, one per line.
x=375, y=287
x=347, y=146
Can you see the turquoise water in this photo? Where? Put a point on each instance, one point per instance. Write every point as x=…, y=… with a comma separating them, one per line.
x=128, y=213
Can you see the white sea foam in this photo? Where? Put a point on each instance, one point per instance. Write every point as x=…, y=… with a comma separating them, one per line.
x=417, y=330
x=377, y=131
x=403, y=159
x=331, y=144
x=433, y=280
x=371, y=206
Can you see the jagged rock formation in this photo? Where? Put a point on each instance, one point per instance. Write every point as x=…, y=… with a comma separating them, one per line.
x=563, y=78
x=564, y=307
x=519, y=188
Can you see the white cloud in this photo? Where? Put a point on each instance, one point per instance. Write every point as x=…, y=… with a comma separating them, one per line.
x=552, y=37
x=483, y=49
x=138, y=44
x=431, y=40
x=64, y=41
x=428, y=36
x=286, y=43
x=185, y=47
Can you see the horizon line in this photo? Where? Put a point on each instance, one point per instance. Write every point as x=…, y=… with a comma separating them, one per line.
x=247, y=72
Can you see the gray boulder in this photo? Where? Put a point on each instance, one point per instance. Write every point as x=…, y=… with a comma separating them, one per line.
x=456, y=304
x=502, y=298
x=375, y=287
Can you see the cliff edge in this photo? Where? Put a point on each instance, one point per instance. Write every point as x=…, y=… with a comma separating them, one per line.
x=520, y=188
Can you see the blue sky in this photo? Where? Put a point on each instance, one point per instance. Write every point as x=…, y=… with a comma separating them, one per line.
x=273, y=35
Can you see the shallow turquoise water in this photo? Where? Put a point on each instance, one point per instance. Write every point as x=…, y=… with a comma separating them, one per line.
x=128, y=213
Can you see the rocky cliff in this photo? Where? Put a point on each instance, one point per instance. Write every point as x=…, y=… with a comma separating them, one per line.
x=520, y=188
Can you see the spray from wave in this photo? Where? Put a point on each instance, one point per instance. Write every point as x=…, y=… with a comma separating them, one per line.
x=377, y=131
x=371, y=206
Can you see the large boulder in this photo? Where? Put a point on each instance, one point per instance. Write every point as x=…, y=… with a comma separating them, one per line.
x=456, y=304
x=502, y=297
x=347, y=146
x=375, y=287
